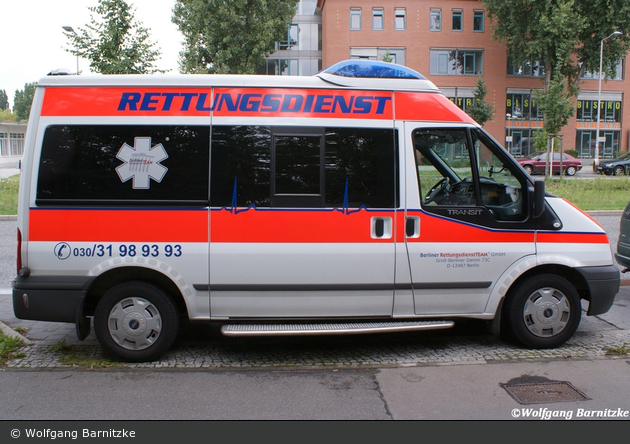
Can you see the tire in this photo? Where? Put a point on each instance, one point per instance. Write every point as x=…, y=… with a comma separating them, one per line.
x=619, y=171
x=570, y=171
x=528, y=169
x=543, y=311
x=136, y=322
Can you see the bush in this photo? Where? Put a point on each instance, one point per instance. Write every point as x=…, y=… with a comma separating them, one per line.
x=573, y=153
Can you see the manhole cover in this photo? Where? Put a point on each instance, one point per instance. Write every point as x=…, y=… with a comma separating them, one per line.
x=544, y=393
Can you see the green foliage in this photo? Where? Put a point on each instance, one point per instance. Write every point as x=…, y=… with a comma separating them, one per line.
x=573, y=153
x=8, y=346
x=387, y=57
x=540, y=140
x=592, y=194
x=116, y=44
x=480, y=110
x=6, y=115
x=9, y=195
x=23, y=100
x=80, y=356
x=4, y=100
x=555, y=105
x=232, y=37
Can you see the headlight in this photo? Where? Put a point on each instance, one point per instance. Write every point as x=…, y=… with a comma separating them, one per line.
x=608, y=165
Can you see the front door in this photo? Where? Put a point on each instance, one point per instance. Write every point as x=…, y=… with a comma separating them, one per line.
x=472, y=222
x=302, y=221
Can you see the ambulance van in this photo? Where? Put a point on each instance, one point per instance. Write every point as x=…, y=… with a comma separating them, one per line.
x=358, y=200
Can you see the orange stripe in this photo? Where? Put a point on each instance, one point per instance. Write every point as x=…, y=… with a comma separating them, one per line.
x=435, y=229
x=118, y=225
x=277, y=226
x=573, y=238
x=427, y=107
x=105, y=101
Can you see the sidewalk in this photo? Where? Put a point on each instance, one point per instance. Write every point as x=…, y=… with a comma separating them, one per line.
x=9, y=166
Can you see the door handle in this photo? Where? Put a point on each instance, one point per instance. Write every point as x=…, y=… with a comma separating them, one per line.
x=412, y=227
x=381, y=228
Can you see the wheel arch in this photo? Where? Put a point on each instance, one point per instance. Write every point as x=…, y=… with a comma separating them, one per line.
x=115, y=276
x=508, y=284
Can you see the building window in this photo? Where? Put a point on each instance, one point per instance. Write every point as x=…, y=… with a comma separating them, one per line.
x=377, y=19
x=478, y=21
x=524, y=68
x=610, y=111
x=617, y=76
x=435, y=20
x=292, y=37
x=457, y=23
x=355, y=18
x=393, y=55
x=400, y=19
x=453, y=62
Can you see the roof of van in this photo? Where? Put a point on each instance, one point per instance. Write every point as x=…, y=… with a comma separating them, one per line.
x=350, y=74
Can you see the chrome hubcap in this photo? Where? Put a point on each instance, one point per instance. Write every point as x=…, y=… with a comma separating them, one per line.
x=134, y=323
x=546, y=312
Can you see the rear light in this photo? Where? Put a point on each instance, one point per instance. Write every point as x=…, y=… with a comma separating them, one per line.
x=19, y=251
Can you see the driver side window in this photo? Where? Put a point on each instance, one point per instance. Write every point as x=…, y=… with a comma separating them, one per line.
x=465, y=168
x=443, y=160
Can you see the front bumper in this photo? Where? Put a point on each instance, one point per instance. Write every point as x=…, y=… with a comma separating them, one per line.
x=603, y=286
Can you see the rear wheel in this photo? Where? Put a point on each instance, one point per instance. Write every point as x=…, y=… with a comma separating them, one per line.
x=571, y=171
x=136, y=321
x=544, y=311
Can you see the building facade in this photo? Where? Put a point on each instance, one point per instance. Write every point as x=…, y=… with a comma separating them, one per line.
x=450, y=43
x=12, y=139
x=300, y=54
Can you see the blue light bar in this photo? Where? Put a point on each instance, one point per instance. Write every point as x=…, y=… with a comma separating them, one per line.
x=372, y=69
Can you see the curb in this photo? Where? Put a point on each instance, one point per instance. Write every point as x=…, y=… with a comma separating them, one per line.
x=8, y=331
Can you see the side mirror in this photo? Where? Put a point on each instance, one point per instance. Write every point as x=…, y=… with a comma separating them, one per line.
x=539, y=198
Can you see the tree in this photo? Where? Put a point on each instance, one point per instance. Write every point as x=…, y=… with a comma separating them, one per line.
x=232, y=37
x=117, y=44
x=563, y=36
x=480, y=110
x=23, y=100
x=4, y=100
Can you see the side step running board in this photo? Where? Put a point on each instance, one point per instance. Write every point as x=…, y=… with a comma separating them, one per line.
x=350, y=328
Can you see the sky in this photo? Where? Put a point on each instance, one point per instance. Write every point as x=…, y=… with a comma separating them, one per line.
x=32, y=41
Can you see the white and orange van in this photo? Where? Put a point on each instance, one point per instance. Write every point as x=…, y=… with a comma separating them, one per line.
x=357, y=200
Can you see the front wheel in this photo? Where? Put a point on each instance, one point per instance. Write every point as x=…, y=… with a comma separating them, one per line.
x=544, y=311
x=529, y=169
x=619, y=170
x=136, y=321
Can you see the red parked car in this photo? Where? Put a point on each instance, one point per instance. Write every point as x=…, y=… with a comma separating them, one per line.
x=536, y=163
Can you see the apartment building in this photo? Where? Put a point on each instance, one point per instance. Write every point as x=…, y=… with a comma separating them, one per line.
x=450, y=42
x=300, y=53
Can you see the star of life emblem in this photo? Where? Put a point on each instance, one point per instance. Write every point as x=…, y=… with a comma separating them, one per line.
x=141, y=163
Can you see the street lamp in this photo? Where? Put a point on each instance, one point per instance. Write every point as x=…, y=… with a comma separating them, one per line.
x=508, y=139
x=599, y=92
x=69, y=29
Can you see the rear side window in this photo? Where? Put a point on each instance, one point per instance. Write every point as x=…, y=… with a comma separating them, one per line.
x=309, y=167
x=118, y=165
